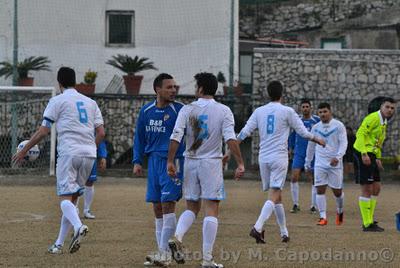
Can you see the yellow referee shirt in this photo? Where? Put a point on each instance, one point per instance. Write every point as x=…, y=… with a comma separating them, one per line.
x=371, y=134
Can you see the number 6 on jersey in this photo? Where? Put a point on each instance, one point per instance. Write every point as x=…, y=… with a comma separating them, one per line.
x=83, y=118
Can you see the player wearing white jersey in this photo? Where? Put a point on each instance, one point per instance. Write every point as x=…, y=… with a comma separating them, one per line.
x=274, y=122
x=328, y=170
x=78, y=119
x=205, y=123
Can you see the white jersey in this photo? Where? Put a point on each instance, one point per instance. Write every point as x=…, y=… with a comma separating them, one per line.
x=274, y=122
x=334, y=134
x=206, y=122
x=76, y=117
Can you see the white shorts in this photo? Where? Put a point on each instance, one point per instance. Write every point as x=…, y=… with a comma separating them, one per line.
x=203, y=179
x=72, y=173
x=333, y=177
x=273, y=174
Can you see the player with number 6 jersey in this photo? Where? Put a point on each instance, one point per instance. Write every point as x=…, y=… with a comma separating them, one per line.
x=79, y=126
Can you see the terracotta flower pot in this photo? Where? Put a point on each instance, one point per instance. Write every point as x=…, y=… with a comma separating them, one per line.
x=237, y=90
x=132, y=84
x=85, y=89
x=225, y=88
x=25, y=82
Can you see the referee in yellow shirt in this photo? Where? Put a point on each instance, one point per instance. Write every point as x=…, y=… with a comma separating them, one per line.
x=367, y=160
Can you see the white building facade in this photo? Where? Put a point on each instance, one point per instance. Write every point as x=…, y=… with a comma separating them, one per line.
x=181, y=37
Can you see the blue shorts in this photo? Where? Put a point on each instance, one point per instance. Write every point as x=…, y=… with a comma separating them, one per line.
x=93, y=173
x=299, y=161
x=161, y=187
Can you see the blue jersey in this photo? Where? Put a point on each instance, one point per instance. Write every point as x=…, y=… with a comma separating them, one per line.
x=102, y=150
x=101, y=153
x=299, y=144
x=154, y=127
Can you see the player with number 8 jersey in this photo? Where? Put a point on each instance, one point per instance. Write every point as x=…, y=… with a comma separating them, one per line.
x=274, y=122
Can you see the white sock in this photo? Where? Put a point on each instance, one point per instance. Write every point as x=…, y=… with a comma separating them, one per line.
x=281, y=219
x=69, y=211
x=321, y=203
x=88, y=198
x=65, y=228
x=185, y=221
x=313, y=196
x=159, y=225
x=294, y=187
x=210, y=227
x=168, y=229
x=339, y=203
x=266, y=212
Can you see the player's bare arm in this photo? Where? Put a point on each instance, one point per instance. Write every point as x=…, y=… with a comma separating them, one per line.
x=100, y=134
x=318, y=141
x=233, y=146
x=379, y=164
x=35, y=139
x=173, y=147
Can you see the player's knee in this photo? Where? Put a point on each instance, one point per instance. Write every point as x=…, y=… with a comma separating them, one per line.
x=337, y=193
x=193, y=206
x=168, y=207
x=366, y=190
x=321, y=190
x=157, y=208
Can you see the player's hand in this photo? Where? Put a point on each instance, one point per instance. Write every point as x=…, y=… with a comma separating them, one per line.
x=334, y=162
x=239, y=172
x=290, y=154
x=307, y=168
x=102, y=164
x=319, y=141
x=138, y=170
x=171, y=170
x=366, y=160
x=379, y=164
x=18, y=158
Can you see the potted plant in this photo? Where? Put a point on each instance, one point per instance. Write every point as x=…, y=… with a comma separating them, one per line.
x=131, y=66
x=29, y=64
x=237, y=89
x=88, y=87
x=221, y=79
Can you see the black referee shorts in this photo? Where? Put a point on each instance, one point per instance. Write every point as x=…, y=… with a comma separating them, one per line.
x=365, y=174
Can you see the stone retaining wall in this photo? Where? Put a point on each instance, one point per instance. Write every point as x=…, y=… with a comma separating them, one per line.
x=347, y=79
x=266, y=19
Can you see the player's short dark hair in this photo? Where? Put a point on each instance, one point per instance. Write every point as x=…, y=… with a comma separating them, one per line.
x=66, y=77
x=159, y=80
x=208, y=82
x=305, y=100
x=275, y=90
x=323, y=105
x=388, y=99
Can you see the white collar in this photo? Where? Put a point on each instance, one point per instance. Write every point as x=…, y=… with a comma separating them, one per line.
x=70, y=89
x=383, y=120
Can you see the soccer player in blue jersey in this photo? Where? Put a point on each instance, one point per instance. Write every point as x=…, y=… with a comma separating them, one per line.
x=153, y=130
x=298, y=145
x=89, y=187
